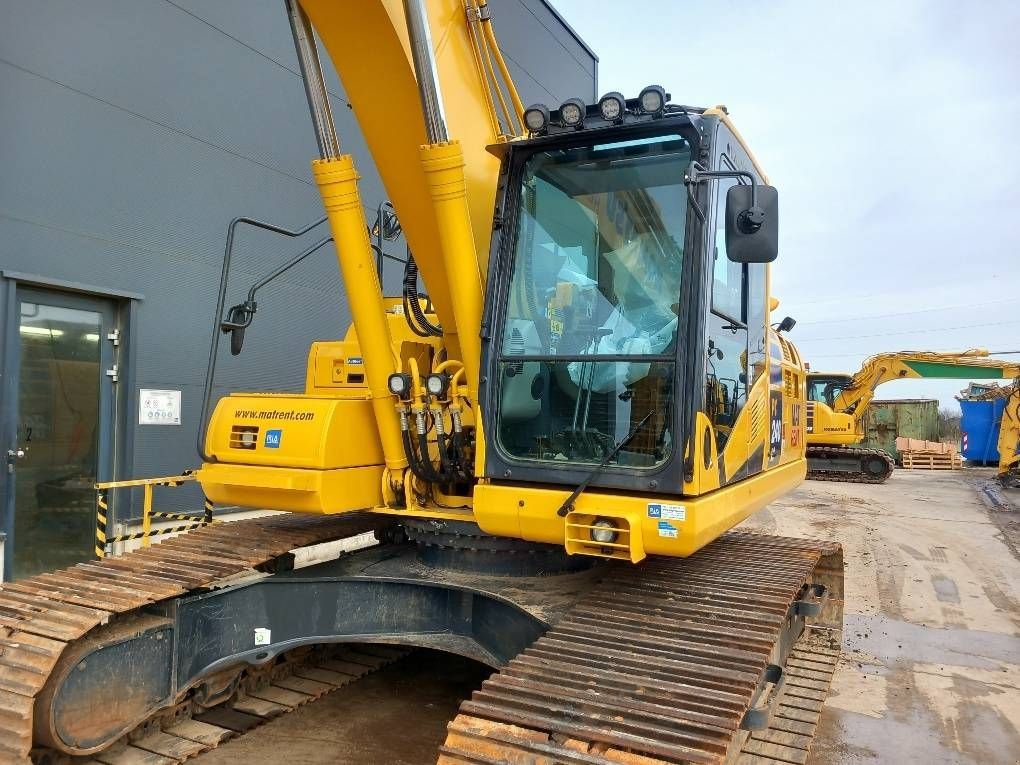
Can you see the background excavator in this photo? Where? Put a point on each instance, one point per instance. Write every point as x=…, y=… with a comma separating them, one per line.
x=837, y=404
x=1009, y=440
x=551, y=447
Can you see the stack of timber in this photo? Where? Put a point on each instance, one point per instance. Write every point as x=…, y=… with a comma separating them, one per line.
x=928, y=455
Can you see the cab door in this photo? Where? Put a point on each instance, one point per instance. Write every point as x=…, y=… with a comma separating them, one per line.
x=736, y=352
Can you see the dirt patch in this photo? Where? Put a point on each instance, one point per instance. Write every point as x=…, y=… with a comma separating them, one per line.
x=397, y=716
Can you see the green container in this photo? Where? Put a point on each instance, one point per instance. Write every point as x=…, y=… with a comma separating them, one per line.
x=911, y=418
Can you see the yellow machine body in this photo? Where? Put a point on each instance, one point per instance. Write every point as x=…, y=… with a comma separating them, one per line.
x=649, y=525
x=337, y=447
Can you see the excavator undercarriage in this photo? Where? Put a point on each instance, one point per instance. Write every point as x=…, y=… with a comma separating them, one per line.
x=674, y=660
x=849, y=464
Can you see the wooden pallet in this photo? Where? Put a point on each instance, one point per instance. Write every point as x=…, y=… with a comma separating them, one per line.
x=929, y=461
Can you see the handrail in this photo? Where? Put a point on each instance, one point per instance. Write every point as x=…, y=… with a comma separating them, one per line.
x=147, y=484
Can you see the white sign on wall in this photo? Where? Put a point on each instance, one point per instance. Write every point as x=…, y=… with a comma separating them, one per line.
x=159, y=407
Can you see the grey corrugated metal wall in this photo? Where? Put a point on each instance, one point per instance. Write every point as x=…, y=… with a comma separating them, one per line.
x=132, y=132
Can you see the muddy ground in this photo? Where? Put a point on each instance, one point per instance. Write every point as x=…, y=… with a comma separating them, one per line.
x=931, y=668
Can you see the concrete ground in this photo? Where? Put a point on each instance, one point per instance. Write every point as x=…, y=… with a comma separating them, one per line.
x=931, y=669
x=931, y=666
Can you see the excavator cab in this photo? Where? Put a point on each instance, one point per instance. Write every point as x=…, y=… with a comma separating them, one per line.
x=594, y=350
x=825, y=388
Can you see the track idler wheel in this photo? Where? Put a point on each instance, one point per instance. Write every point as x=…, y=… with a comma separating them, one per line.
x=105, y=685
x=876, y=467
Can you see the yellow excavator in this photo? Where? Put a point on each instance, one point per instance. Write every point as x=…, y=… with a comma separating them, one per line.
x=551, y=432
x=838, y=402
x=1009, y=440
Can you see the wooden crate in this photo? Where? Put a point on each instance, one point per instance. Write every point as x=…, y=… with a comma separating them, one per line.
x=917, y=446
x=930, y=461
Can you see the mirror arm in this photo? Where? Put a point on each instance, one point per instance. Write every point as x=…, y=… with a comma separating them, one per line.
x=694, y=201
x=285, y=267
x=248, y=307
x=245, y=310
x=696, y=173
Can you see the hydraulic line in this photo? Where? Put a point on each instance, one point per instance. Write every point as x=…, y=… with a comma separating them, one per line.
x=490, y=36
x=412, y=456
x=413, y=313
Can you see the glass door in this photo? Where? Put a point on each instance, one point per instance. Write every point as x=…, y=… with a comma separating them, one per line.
x=64, y=364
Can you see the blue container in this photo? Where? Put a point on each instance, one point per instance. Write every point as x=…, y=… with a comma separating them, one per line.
x=980, y=427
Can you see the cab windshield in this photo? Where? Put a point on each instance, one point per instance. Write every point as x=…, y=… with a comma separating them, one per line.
x=826, y=389
x=589, y=345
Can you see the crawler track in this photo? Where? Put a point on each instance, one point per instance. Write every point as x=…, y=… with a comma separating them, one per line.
x=818, y=454
x=661, y=662
x=671, y=661
x=41, y=615
x=291, y=683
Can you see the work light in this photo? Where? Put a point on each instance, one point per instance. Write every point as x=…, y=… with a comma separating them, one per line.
x=436, y=384
x=652, y=99
x=612, y=106
x=604, y=531
x=572, y=112
x=399, y=384
x=536, y=117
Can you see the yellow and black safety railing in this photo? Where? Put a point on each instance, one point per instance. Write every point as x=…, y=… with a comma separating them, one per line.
x=148, y=514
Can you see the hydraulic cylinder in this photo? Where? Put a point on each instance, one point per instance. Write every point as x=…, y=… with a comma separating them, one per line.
x=338, y=183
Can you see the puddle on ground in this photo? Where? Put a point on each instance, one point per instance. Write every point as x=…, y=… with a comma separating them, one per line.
x=945, y=589
x=891, y=640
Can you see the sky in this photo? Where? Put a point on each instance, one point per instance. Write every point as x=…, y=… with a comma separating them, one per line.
x=889, y=129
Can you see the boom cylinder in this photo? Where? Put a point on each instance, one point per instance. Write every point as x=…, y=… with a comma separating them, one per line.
x=337, y=179
x=444, y=172
x=338, y=183
x=315, y=85
x=424, y=58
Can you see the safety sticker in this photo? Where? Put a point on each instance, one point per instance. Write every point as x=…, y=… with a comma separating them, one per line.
x=667, y=529
x=263, y=636
x=667, y=512
x=273, y=438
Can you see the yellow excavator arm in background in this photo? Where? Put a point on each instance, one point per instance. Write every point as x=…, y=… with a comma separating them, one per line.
x=839, y=414
x=1009, y=437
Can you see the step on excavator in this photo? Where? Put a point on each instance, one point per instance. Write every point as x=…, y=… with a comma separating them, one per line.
x=552, y=447
x=838, y=402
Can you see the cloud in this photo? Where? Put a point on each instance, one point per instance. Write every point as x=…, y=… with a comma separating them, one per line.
x=889, y=129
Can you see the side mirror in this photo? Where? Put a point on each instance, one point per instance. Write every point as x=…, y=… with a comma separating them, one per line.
x=237, y=321
x=236, y=341
x=787, y=324
x=752, y=229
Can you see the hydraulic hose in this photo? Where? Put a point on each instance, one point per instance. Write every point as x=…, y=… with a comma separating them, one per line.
x=427, y=466
x=412, y=458
x=420, y=325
